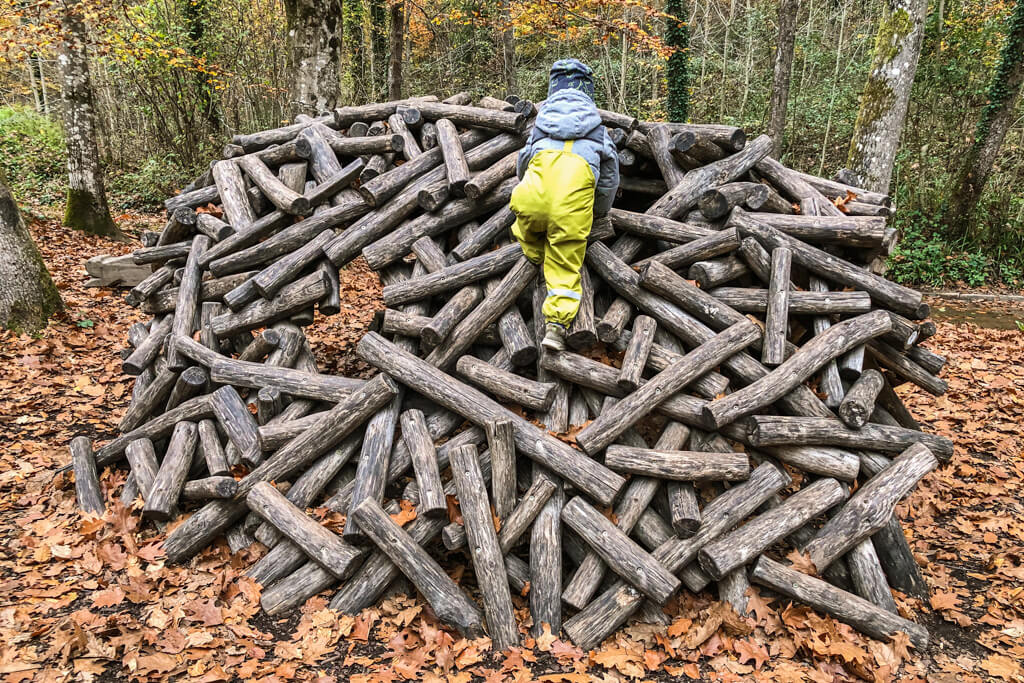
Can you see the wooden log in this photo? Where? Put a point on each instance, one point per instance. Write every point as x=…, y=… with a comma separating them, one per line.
x=434, y=384
x=715, y=272
x=161, y=254
x=269, y=281
x=682, y=197
x=170, y=478
x=142, y=458
x=718, y=202
x=507, y=386
x=489, y=178
x=289, y=381
x=449, y=315
x=898, y=561
x=615, y=319
x=146, y=352
x=485, y=235
x=707, y=247
x=503, y=465
x=896, y=297
x=851, y=609
x=823, y=461
x=776, y=327
x=656, y=227
x=483, y=544
x=234, y=199
x=848, y=231
x=545, y=572
x=859, y=402
x=446, y=599
x=834, y=188
x=456, y=167
x=516, y=339
x=596, y=436
x=678, y=465
x=582, y=332
x=659, y=142
x=767, y=430
x=151, y=400
x=87, y=483
x=424, y=461
x=904, y=367
x=279, y=194
x=320, y=544
x=410, y=146
x=795, y=188
x=868, y=577
x=474, y=117
x=166, y=300
x=811, y=357
x=623, y=555
x=189, y=383
x=151, y=284
x=213, y=452
x=635, y=358
x=743, y=545
x=210, y=488
x=871, y=507
x=238, y=423
x=817, y=302
x=611, y=609
x=269, y=402
x=372, y=468
x=291, y=299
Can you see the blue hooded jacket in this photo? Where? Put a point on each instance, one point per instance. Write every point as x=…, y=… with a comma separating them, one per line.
x=570, y=114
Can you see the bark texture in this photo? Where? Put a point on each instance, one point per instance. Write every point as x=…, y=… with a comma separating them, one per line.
x=314, y=54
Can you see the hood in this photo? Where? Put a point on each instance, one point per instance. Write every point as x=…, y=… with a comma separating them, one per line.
x=571, y=74
x=568, y=115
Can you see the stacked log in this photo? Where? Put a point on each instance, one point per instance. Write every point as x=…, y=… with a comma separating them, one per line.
x=730, y=378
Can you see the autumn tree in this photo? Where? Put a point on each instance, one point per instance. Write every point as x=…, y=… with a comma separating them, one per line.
x=886, y=94
x=996, y=119
x=508, y=49
x=87, y=198
x=782, y=71
x=28, y=297
x=315, y=29
x=396, y=45
x=677, y=37
x=197, y=18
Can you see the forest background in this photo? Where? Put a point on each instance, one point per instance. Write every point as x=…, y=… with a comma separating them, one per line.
x=174, y=79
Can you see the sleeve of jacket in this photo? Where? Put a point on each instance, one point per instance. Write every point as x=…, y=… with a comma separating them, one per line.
x=608, y=182
x=525, y=154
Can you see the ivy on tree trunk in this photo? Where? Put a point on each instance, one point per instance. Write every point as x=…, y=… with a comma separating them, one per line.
x=395, y=48
x=996, y=119
x=87, y=198
x=28, y=297
x=886, y=94
x=677, y=36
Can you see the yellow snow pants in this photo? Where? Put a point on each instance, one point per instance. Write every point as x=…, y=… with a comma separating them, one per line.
x=554, y=207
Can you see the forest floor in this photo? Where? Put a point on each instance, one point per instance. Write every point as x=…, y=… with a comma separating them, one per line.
x=85, y=598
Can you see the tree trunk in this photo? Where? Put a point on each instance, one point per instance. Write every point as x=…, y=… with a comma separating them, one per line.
x=360, y=62
x=886, y=95
x=379, y=49
x=197, y=17
x=508, y=49
x=995, y=121
x=677, y=35
x=87, y=198
x=782, y=71
x=395, y=47
x=314, y=54
x=28, y=297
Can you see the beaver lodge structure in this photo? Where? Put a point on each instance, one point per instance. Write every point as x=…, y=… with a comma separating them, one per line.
x=728, y=393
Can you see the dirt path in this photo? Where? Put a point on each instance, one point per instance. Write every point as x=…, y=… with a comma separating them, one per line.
x=93, y=599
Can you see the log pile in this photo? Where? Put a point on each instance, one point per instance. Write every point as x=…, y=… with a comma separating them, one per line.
x=728, y=394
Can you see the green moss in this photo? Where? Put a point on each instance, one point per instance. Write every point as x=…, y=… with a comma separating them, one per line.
x=83, y=214
x=28, y=317
x=677, y=36
x=892, y=31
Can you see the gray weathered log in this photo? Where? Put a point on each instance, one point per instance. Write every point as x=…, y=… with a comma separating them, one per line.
x=87, y=483
x=170, y=478
x=372, y=468
x=868, y=578
x=776, y=326
x=424, y=462
x=503, y=465
x=771, y=430
x=288, y=380
x=210, y=488
x=678, y=465
x=213, y=452
x=506, y=386
x=451, y=605
x=851, y=609
x=859, y=402
x=141, y=456
x=635, y=358
x=238, y=423
x=871, y=507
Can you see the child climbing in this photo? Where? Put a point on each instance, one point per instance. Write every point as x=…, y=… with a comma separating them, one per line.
x=569, y=173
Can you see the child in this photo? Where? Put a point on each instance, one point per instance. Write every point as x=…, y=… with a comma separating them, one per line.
x=569, y=173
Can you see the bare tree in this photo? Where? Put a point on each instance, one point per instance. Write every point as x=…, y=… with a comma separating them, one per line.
x=782, y=73
x=995, y=121
x=396, y=46
x=28, y=297
x=886, y=95
x=87, y=198
x=315, y=31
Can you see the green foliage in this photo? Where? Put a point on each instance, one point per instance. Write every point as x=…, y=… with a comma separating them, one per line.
x=33, y=154
x=999, y=90
x=149, y=184
x=922, y=257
